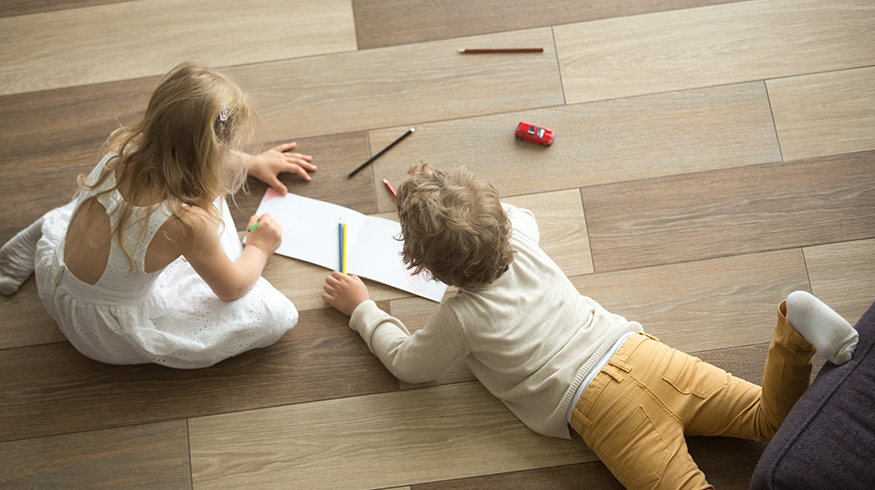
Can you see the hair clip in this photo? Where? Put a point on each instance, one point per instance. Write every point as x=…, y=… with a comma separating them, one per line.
x=223, y=115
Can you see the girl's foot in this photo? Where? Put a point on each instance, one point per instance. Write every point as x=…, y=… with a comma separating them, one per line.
x=17, y=258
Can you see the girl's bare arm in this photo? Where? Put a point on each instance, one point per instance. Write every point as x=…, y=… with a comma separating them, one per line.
x=230, y=280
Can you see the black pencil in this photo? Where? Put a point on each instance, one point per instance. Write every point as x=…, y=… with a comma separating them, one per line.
x=381, y=152
x=501, y=50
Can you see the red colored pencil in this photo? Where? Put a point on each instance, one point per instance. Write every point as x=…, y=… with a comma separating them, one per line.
x=394, y=194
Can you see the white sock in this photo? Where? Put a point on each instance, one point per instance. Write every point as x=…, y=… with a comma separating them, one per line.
x=829, y=333
x=17, y=258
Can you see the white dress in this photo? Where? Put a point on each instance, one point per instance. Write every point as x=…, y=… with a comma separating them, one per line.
x=170, y=317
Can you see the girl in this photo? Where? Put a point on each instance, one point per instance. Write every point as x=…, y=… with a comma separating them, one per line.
x=145, y=265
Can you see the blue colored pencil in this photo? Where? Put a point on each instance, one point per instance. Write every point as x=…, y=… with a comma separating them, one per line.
x=344, y=248
x=340, y=242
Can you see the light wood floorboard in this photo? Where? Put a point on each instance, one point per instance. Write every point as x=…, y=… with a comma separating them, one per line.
x=402, y=85
x=722, y=44
x=143, y=38
x=562, y=228
x=825, y=113
x=704, y=305
x=843, y=275
x=422, y=435
x=597, y=143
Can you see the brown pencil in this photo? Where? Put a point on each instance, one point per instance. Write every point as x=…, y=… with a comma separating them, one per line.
x=501, y=50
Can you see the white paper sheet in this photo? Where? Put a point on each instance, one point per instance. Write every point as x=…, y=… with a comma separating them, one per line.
x=310, y=234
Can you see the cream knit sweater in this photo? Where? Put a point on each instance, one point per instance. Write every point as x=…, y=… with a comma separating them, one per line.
x=529, y=337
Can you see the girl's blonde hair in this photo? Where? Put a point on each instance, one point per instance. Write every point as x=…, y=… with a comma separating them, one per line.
x=180, y=151
x=454, y=227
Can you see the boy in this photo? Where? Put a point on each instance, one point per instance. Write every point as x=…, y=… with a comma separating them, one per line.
x=556, y=358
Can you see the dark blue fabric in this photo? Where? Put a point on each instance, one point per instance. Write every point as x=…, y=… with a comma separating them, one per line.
x=828, y=439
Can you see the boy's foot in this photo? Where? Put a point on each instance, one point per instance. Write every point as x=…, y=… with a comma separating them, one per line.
x=829, y=333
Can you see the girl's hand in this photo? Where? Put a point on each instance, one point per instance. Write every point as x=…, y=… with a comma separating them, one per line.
x=267, y=236
x=344, y=292
x=267, y=166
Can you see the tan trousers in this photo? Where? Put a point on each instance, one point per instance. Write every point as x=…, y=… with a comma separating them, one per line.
x=638, y=409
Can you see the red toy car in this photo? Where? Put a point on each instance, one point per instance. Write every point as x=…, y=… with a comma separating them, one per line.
x=534, y=134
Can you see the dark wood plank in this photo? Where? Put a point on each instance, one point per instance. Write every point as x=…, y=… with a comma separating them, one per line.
x=732, y=211
x=387, y=23
x=52, y=389
x=334, y=156
x=10, y=8
x=591, y=476
x=67, y=127
x=25, y=320
x=748, y=362
x=727, y=464
x=46, y=131
x=26, y=197
x=143, y=456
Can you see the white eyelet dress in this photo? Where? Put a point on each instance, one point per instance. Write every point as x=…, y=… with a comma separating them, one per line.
x=170, y=317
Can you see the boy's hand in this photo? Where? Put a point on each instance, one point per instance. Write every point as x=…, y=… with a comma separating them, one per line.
x=267, y=166
x=267, y=236
x=419, y=169
x=344, y=292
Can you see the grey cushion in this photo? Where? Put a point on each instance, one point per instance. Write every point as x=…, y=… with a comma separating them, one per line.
x=828, y=439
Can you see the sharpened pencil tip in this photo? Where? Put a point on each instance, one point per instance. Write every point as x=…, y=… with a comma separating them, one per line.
x=412, y=129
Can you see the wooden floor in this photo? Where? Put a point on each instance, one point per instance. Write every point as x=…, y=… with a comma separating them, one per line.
x=711, y=157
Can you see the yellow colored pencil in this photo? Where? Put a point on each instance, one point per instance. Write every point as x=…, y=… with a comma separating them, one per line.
x=340, y=244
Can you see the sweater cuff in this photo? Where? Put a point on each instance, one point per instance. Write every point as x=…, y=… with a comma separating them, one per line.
x=364, y=314
x=367, y=318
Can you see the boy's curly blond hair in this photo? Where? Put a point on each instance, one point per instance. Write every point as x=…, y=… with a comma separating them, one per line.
x=454, y=227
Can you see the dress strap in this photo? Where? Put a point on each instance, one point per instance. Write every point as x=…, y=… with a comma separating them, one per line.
x=140, y=225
